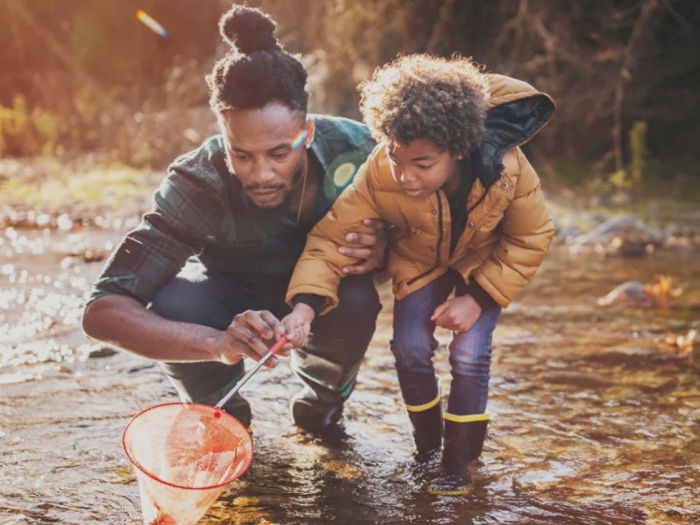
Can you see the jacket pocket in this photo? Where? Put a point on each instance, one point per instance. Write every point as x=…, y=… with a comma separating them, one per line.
x=415, y=244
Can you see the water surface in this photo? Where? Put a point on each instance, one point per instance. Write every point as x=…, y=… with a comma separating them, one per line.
x=594, y=419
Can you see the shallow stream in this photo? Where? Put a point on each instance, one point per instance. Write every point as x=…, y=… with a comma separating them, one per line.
x=595, y=417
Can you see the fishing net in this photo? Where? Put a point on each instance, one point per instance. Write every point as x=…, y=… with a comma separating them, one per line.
x=184, y=454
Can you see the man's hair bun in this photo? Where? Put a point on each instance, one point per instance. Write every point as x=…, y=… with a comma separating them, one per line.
x=256, y=70
x=248, y=30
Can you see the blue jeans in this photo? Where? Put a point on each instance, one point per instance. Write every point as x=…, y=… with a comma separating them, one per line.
x=212, y=298
x=413, y=346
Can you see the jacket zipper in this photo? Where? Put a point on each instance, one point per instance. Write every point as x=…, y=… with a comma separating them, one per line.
x=439, y=242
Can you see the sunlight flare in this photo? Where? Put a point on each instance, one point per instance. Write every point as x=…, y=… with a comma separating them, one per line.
x=151, y=23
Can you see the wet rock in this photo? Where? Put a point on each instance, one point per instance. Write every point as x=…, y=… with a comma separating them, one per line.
x=623, y=235
x=105, y=351
x=137, y=369
x=658, y=294
x=620, y=224
x=94, y=255
x=631, y=291
x=569, y=231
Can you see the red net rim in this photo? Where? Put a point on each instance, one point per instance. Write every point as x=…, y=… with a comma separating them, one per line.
x=133, y=461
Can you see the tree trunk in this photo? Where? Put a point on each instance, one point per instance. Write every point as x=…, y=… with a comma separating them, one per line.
x=643, y=27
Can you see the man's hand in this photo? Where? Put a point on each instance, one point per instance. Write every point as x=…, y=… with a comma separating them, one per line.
x=298, y=323
x=250, y=334
x=458, y=314
x=368, y=248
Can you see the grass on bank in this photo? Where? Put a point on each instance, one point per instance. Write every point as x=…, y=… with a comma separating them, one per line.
x=91, y=185
x=84, y=187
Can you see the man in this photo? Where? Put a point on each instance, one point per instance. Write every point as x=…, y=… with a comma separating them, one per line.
x=200, y=283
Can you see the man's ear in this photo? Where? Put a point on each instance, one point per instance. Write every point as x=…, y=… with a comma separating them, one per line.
x=310, y=132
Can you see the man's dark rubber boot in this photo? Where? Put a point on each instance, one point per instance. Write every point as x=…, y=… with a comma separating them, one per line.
x=319, y=406
x=464, y=440
x=427, y=428
x=314, y=409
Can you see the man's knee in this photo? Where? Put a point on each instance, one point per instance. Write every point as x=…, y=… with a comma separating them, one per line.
x=185, y=301
x=358, y=299
x=170, y=301
x=342, y=335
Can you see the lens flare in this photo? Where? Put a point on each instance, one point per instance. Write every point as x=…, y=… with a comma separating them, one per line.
x=299, y=138
x=151, y=23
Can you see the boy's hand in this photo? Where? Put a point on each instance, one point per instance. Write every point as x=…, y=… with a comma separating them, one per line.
x=458, y=314
x=298, y=323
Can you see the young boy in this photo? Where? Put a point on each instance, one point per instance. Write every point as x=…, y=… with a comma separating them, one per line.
x=466, y=215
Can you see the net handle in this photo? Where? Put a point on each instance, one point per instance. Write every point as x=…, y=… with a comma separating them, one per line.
x=272, y=351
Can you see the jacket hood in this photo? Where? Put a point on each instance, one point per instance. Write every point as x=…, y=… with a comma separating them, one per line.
x=515, y=112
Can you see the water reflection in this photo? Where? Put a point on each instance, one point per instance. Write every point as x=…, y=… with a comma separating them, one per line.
x=593, y=422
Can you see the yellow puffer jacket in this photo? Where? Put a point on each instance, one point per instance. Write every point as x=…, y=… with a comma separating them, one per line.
x=508, y=229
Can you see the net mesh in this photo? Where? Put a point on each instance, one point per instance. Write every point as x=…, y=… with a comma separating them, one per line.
x=184, y=455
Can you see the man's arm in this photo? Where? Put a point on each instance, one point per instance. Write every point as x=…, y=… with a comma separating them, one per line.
x=184, y=212
x=124, y=322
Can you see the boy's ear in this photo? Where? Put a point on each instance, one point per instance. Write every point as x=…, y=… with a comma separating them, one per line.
x=310, y=131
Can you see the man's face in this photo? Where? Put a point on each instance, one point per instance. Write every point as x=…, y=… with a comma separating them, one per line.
x=260, y=150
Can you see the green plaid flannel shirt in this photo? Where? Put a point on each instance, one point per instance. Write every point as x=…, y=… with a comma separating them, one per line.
x=200, y=212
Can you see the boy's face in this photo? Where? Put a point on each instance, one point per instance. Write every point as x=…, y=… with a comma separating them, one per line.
x=421, y=168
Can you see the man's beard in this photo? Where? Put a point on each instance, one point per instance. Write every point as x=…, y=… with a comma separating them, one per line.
x=263, y=187
x=272, y=187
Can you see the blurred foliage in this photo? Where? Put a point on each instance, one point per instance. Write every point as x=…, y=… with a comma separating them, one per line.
x=24, y=132
x=633, y=176
x=91, y=76
x=37, y=131
x=638, y=152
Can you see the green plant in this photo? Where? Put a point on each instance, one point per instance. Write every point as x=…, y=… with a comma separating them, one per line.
x=638, y=152
x=24, y=132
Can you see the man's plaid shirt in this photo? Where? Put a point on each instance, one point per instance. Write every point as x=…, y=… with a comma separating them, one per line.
x=200, y=211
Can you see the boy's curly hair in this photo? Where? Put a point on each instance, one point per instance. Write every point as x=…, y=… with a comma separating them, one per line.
x=427, y=97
